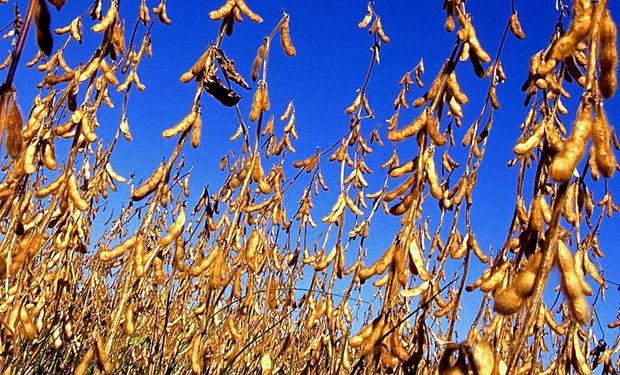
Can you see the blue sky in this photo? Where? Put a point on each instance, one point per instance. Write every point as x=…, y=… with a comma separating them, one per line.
x=331, y=63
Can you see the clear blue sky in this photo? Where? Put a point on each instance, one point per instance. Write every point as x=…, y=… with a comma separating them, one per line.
x=332, y=60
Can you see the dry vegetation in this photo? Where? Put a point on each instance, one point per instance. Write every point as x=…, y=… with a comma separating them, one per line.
x=212, y=284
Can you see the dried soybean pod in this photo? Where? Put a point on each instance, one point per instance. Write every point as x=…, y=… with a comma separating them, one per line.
x=119, y=250
x=49, y=156
x=222, y=11
x=258, y=60
x=108, y=19
x=532, y=141
x=31, y=150
x=608, y=59
x=179, y=253
x=432, y=127
x=174, y=231
x=185, y=123
x=400, y=170
x=130, y=327
x=243, y=7
x=158, y=270
x=138, y=256
x=195, y=353
x=515, y=26
x=13, y=121
x=379, y=28
x=74, y=194
x=473, y=244
x=524, y=281
x=409, y=130
x=149, y=185
x=103, y=360
x=483, y=358
x=417, y=260
x=601, y=138
x=507, y=301
x=494, y=280
x=285, y=37
x=196, y=131
x=356, y=103
x=51, y=187
x=578, y=29
x=30, y=329
x=433, y=179
x=42, y=21
x=367, y=18
x=571, y=285
x=257, y=102
x=565, y=161
x=84, y=365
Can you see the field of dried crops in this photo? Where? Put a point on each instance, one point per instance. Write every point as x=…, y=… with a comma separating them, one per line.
x=106, y=273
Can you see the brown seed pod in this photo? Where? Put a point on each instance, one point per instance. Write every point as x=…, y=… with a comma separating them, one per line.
x=510, y=300
x=379, y=29
x=103, y=361
x=532, y=141
x=571, y=285
x=285, y=37
x=524, y=281
x=409, y=130
x=432, y=128
x=222, y=11
x=196, y=131
x=578, y=358
x=257, y=102
x=74, y=194
x=455, y=89
x=495, y=279
x=608, y=59
x=139, y=254
x=42, y=21
x=187, y=121
x=515, y=26
x=174, y=231
x=84, y=365
x=121, y=249
x=13, y=122
x=258, y=61
x=28, y=157
x=367, y=18
x=431, y=176
x=179, y=253
x=565, y=161
x=196, y=355
x=49, y=156
x=601, y=138
x=355, y=105
x=507, y=301
x=473, y=244
x=483, y=358
x=51, y=187
x=579, y=28
x=30, y=330
x=107, y=20
x=162, y=13
x=158, y=271
x=87, y=129
x=149, y=185
x=417, y=260
x=243, y=7
x=130, y=327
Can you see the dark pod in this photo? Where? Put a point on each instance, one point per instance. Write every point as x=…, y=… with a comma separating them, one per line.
x=223, y=94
